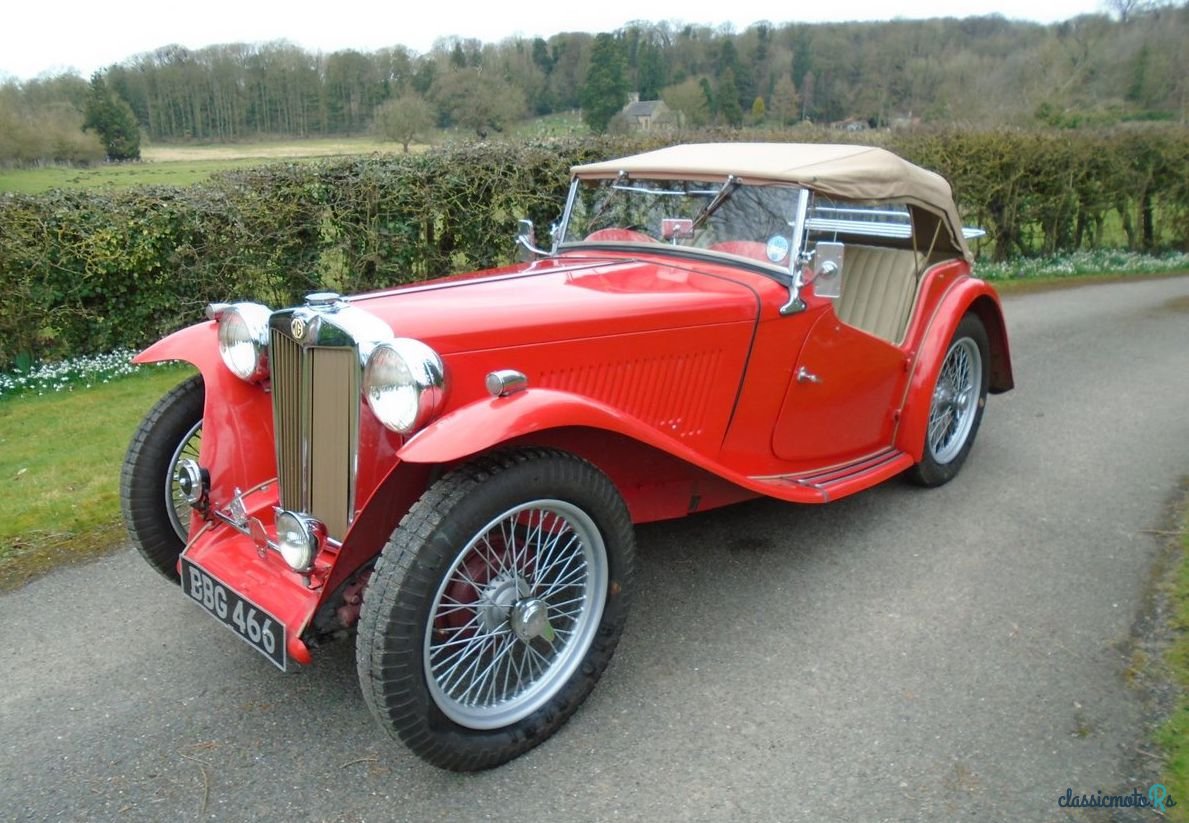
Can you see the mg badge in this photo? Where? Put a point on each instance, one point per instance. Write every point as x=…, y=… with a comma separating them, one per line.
x=298, y=327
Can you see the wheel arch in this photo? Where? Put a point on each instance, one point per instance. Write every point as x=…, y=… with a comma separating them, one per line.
x=197, y=345
x=237, y=424
x=970, y=296
x=989, y=312
x=486, y=424
x=658, y=476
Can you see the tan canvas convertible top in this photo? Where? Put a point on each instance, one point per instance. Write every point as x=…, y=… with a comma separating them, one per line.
x=859, y=173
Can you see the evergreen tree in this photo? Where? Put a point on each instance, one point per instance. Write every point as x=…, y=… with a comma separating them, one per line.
x=541, y=56
x=728, y=61
x=458, y=58
x=606, y=88
x=112, y=119
x=728, y=99
x=708, y=94
x=651, y=74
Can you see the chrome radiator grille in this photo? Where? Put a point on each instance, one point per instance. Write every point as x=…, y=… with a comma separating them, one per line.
x=316, y=412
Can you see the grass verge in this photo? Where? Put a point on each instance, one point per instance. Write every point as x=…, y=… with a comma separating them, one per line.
x=60, y=457
x=1174, y=736
x=1033, y=285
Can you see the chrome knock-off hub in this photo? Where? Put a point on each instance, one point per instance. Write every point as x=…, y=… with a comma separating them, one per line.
x=497, y=598
x=530, y=618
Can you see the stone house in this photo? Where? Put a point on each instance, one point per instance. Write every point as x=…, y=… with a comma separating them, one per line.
x=647, y=115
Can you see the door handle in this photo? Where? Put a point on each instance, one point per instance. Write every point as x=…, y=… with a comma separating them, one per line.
x=804, y=375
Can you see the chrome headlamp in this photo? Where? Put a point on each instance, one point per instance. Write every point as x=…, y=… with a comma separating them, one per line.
x=243, y=339
x=403, y=381
x=299, y=537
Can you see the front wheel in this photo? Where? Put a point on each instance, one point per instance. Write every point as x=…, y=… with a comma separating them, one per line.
x=155, y=508
x=495, y=607
x=956, y=409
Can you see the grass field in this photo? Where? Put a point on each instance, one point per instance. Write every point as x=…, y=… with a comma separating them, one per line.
x=182, y=165
x=551, y=125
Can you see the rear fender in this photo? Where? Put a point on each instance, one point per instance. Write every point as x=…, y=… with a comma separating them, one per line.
x=969, y=295
x=237, y=427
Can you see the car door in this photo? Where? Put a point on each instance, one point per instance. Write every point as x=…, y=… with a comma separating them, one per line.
x=844, y=396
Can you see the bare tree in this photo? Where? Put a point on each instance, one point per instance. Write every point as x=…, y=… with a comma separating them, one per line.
x=1125, y=9
x=786, y=103
x=478, y=101
x=404, y=119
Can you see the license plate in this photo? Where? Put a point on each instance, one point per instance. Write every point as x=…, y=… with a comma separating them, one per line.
x=254, y=625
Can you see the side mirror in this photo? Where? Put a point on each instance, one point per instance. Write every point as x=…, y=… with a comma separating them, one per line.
x=827, y=269
x=525, y=233
x=526, y=241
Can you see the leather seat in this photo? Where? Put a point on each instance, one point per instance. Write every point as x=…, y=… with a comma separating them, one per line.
x=878, y=285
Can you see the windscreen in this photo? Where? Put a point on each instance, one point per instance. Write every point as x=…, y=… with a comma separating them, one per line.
x=751, y=221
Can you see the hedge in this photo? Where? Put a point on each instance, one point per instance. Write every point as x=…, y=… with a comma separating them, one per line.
x=90, y=271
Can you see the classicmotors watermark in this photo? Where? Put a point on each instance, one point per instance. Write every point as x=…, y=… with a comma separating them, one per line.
x=1157, y=799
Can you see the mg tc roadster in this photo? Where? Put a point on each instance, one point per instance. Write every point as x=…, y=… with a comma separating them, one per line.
x=451, y=470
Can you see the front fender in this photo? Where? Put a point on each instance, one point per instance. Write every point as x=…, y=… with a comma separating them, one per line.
x=237, y=426
x=197, y=345
x=966, y=296
x=485, y=424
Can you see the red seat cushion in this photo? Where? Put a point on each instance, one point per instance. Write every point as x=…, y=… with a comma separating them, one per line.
x=744, y=248
x=619, y=236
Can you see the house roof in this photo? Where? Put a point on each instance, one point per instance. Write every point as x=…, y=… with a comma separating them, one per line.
x=642, y=108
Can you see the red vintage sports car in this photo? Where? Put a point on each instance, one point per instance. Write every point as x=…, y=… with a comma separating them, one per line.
x=453, y=469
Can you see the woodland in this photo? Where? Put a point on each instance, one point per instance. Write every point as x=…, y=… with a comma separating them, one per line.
x=1093, y=71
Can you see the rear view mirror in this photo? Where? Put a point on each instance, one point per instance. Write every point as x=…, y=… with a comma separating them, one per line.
x=677, y=228
x=827, y=269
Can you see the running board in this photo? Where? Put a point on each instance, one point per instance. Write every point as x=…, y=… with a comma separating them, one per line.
x=838, y=481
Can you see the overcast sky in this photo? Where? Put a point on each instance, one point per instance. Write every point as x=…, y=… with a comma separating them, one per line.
x=85, y=34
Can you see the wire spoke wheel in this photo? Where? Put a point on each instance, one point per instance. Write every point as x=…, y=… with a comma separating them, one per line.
x=175, y=499
x=495, y=606
x=955, y=400
x=956, y=407
x=515, y=613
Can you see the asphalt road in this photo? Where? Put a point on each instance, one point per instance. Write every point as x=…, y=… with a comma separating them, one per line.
x=904, y=654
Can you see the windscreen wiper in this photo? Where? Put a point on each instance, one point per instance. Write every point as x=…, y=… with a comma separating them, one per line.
x=612, y=189
x=724, y=194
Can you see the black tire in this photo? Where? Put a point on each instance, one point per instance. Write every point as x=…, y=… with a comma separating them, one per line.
x=406, y=620
x=946, y=449
x=171, y=430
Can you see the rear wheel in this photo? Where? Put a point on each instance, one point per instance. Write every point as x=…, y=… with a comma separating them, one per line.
x=957, y=405
x=154, y=507
x=495, y=607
